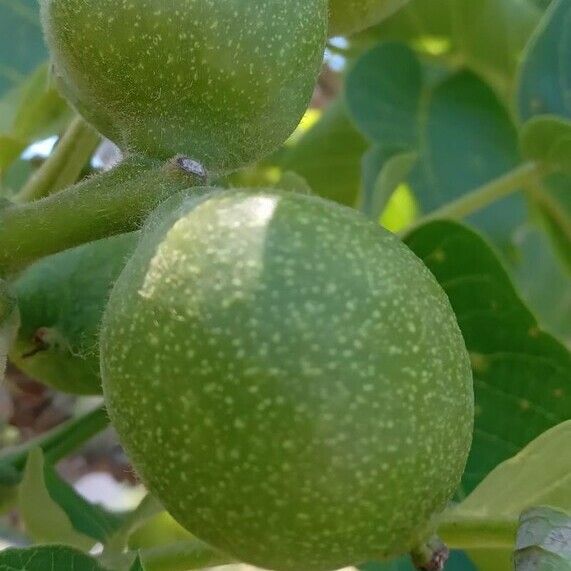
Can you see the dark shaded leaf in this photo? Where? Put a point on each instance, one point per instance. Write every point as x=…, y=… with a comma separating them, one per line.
x=522, y=375
x=53, y=510
x=384, y=91
x=545, y=75
x=469, y=140
x=21, y=42
x=328, y=156
x=547, y=139
x=47, y=558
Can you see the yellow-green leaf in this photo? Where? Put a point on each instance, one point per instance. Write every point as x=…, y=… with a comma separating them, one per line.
x=44, y=519
x=539, y=475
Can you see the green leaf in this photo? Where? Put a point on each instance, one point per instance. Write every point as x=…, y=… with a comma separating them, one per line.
x=45, y=521
x=293, y=182
x=383, y=93
x=554, y=202
x=492, y=559
x=53, y=511
x=463, y=134
x=487, y=36
x=393, y=172
x=543, y=541
x=542, y=4
x=30, y=111
x=21, y=41
x=9, y=477
x=42, y=111
x=469, y=140
x=137, y=565
x=10, y=149
x=89, y=519
x=372, y=163
x=328, y=156
x=132, y=522
x=537, y=270
x=383, y=171
x=538, y=475
x=47, y=558
x=521, y=374
x=547, y=139
x=545, y=73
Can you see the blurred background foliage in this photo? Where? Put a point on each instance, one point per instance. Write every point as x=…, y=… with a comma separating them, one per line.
x=406, y=117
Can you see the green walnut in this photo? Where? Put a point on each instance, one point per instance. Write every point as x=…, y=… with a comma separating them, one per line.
x=288, y=379
x=350, y=16
x=62, y=298
x=223, y=81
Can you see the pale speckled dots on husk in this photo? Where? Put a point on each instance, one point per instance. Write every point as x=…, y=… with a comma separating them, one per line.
x=223, y=81
x=289, y=379
x=350, y=16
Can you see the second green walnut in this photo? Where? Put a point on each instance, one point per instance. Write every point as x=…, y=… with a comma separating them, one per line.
x=224, y=82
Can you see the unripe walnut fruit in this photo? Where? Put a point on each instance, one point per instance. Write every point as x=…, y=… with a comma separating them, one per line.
x=288, y=379
x=224, y=82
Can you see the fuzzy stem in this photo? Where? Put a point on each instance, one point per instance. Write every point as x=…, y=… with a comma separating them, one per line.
x=516, y=180
x=103, y=205
x=64, y=165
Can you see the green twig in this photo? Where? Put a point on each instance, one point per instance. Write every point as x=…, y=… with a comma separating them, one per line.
x=478, y=532
x=103, y=205
x=60, y=441
x=515, y=181
x=64, y=165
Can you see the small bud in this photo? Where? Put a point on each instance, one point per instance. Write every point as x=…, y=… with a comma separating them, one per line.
x=191, y=166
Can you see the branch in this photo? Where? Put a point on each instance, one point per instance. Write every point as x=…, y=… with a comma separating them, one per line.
x=514, y=181
x=106, y=204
